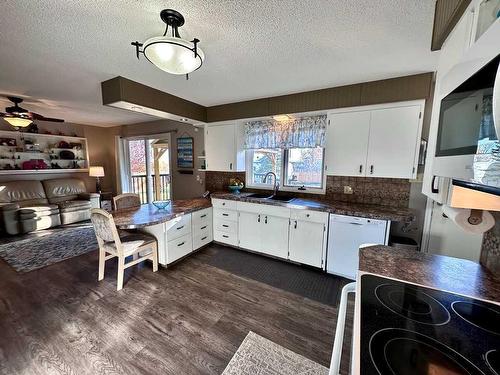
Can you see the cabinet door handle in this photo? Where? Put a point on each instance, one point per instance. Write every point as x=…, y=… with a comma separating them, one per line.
x=231, y=166
x=225, y=226
x=265, y=220
x=225, y=214
x=295, y=226
x=225, y=236
x=179, y=228
x=258, y=219
x=182, y=243
x=434, y=189
x=223, y=203
x=371, y=169
x=361, y=168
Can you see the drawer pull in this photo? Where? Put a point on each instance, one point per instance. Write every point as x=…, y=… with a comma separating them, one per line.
x=204, y=238
x=225, y=225
x=308, y=215
x=202, y=216
x=179, y=228
x=203, y=227
x=225, y=236
x=180, y=244
x=223, y=203
x=225, y=214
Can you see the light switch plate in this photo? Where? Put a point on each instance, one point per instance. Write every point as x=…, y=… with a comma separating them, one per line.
x=347, y=189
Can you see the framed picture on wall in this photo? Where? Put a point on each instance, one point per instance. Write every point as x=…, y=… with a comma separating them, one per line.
x=185, y=152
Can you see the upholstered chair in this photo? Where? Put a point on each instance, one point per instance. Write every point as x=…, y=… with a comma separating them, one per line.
x=122, y=245
x=126, y=200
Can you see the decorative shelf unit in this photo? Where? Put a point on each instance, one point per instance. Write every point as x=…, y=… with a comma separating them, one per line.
x=16, y=148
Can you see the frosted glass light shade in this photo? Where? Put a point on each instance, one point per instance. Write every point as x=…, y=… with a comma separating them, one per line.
x=96, y=172
x=173, y=55
x=18, y=122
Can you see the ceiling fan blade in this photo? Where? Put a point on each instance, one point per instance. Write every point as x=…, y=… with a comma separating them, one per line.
x=36, y=116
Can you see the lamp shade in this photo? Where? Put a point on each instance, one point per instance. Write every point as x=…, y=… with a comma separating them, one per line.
x=18, y=122
x=96, y=172
x=173, y=55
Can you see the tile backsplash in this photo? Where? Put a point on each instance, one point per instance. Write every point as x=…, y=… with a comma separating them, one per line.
x=383, y=191
x=490, y=252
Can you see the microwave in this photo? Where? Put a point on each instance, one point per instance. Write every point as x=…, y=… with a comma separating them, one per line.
x=468, y=146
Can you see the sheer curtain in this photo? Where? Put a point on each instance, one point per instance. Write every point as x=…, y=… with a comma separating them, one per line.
x=304, y=132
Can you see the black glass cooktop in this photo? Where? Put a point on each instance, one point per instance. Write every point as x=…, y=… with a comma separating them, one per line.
x=409, y=329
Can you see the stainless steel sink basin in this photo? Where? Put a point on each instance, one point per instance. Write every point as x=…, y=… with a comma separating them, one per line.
x=259, y=196
x=283, y=198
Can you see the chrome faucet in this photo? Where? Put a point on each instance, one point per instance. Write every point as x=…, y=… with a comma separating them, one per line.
x=276, y=183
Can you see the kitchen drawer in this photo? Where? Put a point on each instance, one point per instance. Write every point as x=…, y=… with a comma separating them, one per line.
x=309, y=215
x=227, y=238
x=202, y=239
x=264, y=209
x=225, y=214
x=201, y=227
x=224, y=203
x=226, y=226
x=202, y=216
x=179, y=247
x=181, y=228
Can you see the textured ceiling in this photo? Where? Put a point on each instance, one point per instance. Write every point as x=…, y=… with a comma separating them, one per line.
x=58, y=51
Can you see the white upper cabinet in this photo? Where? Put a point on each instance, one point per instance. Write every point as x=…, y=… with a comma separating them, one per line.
x=347, y=142
x=375, y=141
x=393, y=142
x=224, y=147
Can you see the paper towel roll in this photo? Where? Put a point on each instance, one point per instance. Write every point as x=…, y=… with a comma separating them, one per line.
x=460, y=216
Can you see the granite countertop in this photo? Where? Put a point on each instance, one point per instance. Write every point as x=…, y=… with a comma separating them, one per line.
x=371, y=211
x=147, y=214
x=435, y=271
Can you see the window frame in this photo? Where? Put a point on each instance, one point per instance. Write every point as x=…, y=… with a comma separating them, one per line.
x=283, y=187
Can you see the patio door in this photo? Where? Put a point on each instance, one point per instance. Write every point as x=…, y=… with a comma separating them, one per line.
x=146, y=169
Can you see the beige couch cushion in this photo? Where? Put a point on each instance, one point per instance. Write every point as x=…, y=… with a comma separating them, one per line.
x=26, y=213
x=25, y=193
x=63, y=189
x=75, y=205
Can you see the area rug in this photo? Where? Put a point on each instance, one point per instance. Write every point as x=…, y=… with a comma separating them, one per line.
x=304, y=281
x=40, y=249
x=258, y=356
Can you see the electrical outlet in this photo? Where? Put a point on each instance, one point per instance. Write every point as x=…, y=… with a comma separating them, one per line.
x=347, y=189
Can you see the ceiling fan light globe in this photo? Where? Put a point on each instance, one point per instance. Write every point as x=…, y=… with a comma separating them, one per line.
x=18, y=122
x=173, y=55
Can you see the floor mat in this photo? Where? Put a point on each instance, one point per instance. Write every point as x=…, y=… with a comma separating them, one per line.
x=304, y=281
x=258, y=356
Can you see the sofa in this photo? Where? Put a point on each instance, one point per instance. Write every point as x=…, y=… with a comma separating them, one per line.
x=27, y=206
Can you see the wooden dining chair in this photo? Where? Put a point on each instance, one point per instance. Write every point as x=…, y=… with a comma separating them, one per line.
x=122, y=245
x=126, y=200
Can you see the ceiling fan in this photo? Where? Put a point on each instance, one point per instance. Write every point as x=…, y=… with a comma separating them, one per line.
x=20, y=117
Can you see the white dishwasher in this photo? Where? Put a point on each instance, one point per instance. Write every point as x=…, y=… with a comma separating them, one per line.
x=345, y=235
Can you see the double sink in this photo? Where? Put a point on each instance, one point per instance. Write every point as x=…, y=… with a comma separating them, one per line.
x=280, y=198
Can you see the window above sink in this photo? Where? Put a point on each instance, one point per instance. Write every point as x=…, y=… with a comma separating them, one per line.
x=297, y=169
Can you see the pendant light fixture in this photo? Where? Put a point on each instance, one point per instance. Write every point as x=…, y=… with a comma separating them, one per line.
x=172, y=54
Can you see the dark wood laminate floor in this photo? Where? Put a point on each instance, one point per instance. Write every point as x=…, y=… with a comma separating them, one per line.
x=188, y=319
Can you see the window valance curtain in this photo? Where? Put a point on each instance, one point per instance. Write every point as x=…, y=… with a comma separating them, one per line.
x=304, y=132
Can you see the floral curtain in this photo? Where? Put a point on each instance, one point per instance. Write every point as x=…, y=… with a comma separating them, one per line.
x=305, y=132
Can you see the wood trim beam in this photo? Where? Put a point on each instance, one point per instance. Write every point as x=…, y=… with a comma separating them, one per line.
x=447, y=13
x=123, y=93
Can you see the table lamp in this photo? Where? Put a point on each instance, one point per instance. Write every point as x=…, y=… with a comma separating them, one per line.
x=97, y=172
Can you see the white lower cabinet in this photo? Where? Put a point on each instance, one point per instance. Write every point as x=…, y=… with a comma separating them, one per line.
x=249, y=231
x=182, y=235
x=274, y=236
x=308, y=236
